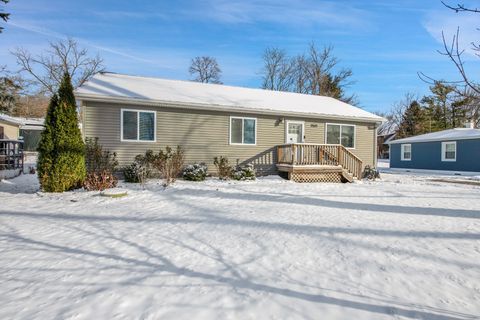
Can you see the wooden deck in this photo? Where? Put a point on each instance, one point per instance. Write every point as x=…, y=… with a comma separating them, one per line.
x=318, y=163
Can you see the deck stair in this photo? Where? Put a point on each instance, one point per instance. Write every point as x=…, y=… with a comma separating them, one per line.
x=318, y=163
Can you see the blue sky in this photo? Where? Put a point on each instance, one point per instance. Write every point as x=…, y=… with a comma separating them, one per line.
x=385, y=43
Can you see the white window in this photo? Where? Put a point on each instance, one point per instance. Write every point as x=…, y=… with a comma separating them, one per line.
x=406, y=150
x=343, y=134
x=243, y=130
x=138, y=125
x=449, y=151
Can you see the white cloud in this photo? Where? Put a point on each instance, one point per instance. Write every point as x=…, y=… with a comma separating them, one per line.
x=288, y=12
x=447, y=21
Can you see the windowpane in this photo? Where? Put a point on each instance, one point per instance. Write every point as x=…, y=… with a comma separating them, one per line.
x=348, y=136
x=450, y=147
x=406, y=151
x=130, y=125
x=450, y=151
x=450, y=155
x=333, y=134
x=249, y=131
x=236, y=130
x=147, y=126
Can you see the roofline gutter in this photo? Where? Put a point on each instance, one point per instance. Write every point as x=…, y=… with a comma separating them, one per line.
x=432, y=140
x=217, y=107
x=12, y=122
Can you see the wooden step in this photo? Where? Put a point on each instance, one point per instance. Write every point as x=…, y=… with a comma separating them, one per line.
x=347, y=175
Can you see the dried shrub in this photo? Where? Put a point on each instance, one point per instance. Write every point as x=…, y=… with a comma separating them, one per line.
x=97, y=159
x=100, y=165
x=224, y=169
x=195, y=172
x=169, y=163
x=100, y=181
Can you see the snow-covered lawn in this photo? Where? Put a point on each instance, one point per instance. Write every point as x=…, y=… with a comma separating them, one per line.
x=401, y=248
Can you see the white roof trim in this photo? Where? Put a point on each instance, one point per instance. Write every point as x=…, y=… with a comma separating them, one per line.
x=445, y=135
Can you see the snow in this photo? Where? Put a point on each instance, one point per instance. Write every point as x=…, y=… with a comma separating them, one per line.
x=208, y=96
x=25, y=123
x=403, y=247
x=450, y=134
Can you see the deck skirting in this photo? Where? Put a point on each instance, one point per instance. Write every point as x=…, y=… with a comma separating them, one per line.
x=314, y=173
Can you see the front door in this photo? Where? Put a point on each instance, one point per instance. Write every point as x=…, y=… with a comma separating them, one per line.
x=295, y=132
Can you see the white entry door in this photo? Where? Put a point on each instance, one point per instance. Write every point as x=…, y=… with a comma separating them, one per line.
x=295, y=132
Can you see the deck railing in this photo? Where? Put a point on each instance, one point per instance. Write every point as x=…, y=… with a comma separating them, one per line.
x=319, y=154
x=11, y=154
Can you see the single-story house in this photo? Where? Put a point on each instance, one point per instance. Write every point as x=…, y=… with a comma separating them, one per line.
x=273, y=130
x=452, y=150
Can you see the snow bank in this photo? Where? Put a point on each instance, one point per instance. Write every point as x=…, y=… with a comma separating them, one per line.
x=400, y=248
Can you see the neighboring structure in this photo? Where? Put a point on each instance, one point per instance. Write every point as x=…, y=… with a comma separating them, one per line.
x=11, y=148
x=132, y=114
x=9, y=127
x=26, y=129
x=452, y=150
x=386, y=132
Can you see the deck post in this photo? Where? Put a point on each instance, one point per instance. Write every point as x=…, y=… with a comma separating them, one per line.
x=294, y=154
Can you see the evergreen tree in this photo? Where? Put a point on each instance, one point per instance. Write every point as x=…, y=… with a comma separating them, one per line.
x=439, y=106
x=61, y=161
x=413, y=121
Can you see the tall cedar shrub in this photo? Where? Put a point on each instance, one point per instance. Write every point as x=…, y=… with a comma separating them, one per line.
x=61, y=160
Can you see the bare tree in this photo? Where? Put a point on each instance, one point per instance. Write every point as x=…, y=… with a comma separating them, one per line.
x=3, y=15
x=395, y=115
x=47, y=69
x=315, y=73
x=460, y=8
x=205, y=69
x=277, y=70
x=452, y=50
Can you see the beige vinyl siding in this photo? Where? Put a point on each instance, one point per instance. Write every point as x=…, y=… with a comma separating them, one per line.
x=10, y=131
x=205, y=134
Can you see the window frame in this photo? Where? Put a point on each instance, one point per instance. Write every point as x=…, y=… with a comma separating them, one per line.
x=402, y=152
x=243, y=131
x=444, y=149
x=341, y=125
x=138, y=111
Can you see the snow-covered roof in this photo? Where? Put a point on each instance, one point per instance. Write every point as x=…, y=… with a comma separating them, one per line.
x=24, y=123
x=387, y=128
x=124, y=88
x=445, y=135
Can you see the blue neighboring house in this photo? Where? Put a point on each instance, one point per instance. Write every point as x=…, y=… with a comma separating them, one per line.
x=453, y=150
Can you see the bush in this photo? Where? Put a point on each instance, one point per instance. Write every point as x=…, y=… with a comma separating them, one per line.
x=97, y=159
x=195, y=172
x=146, y=162
x=224, y=169
x=246, y=172
x=100, y=181
x=61, y=157
x=371, y=173
x=169, y=163
x=136, y=173
x=100, y=164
